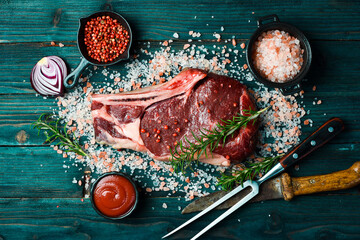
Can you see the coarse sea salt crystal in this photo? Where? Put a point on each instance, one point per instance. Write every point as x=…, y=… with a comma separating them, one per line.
x=167, y=62
x=278, y=56
x=216, y=35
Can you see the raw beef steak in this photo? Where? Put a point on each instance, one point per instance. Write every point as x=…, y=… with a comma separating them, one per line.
x=154, y=119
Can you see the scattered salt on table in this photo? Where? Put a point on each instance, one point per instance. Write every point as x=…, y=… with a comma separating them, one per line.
x=74, y=108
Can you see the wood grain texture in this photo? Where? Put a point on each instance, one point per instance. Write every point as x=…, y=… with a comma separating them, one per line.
x=17, y=112
x=330, y=182
x=37, y=172
x=276, y=219
x=320, y=136
x=33, y=21
x=330, y=69
x=339, y=180
x=33, y=181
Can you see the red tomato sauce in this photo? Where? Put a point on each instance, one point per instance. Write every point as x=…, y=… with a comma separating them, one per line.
x=114, y=195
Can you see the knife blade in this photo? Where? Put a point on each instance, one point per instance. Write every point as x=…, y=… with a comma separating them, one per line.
x=318, y=138
x=285, y=187
x=269, y=190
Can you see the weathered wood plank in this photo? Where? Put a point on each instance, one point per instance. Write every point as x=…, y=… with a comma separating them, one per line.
x=330, y=67
x=36, y=172
x=48, y=231
x=330, y=71
x=268, y=220
x=17, y=112
x=33, y=21
x=56, y=211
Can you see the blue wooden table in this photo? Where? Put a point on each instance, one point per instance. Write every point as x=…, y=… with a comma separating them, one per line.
x=37, y=198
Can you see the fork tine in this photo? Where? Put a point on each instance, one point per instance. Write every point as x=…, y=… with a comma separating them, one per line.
x=211, y=207
x=253, y=193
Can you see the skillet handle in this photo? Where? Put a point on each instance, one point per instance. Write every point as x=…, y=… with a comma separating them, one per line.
x=291, y=90
x=274, y=17
x=108, y=7
x=72, y=79
x=318, y=138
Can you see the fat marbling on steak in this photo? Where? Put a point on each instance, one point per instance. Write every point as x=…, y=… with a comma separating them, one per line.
x=154, y=119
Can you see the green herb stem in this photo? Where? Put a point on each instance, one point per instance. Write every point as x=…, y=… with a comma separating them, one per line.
x=54, y=132
x=238, y=177
x=184, y=154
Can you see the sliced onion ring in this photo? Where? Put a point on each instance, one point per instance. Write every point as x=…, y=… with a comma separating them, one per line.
x=47, y=76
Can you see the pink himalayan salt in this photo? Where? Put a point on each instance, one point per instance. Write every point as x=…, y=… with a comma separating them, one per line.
x=277, y=56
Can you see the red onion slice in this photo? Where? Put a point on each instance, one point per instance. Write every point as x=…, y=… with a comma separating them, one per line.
x=47, y=76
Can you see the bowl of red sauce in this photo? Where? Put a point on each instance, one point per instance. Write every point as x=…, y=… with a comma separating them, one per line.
x=114, y=195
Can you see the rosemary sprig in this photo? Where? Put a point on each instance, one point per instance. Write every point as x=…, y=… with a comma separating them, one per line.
x=183, y=155
x=53, y=131
x=227, y=182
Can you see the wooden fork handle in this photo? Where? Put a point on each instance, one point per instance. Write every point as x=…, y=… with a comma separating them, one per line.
x=322, y=135
x=321, y=183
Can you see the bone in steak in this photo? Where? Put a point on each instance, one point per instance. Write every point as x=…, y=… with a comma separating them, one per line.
x=156, y=118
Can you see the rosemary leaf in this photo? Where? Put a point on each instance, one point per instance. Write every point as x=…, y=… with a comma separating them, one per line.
x=238, y=177
x=182, y=156
x=53, y=132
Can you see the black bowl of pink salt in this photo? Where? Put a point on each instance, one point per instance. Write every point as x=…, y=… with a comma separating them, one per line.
x=114, y=195
x=278, y=55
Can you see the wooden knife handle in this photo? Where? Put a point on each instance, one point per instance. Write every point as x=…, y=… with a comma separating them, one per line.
x=330, y=182
x=317, y=139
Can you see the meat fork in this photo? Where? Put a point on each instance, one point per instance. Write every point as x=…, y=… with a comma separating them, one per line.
x=318, y=138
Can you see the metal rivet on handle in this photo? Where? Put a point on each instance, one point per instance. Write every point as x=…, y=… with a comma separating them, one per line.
x=330, y=129
x=295, y=156
x=313, y=143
